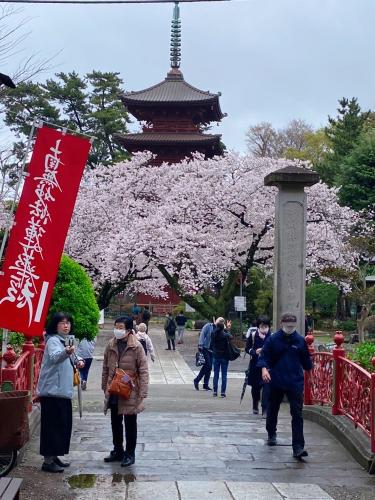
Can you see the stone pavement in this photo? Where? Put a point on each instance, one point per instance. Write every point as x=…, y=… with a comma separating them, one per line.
x=191, y=445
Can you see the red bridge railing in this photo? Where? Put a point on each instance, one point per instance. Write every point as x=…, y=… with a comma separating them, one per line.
x=342, y=384
x=22, y=373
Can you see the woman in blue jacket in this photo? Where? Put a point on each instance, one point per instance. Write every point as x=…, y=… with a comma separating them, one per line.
x=254, y=346
x=55, y=391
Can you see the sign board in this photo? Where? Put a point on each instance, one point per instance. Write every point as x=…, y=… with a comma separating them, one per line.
x=240, y=303
x=38, y=234
x=189, y=309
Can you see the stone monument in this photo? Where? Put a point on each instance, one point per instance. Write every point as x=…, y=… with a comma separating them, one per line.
x=290, y=241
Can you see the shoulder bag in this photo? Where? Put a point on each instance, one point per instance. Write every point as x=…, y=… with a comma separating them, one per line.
x=122, y=384
x=232, y=351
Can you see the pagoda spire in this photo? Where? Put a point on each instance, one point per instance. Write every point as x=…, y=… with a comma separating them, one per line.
x=176, y=37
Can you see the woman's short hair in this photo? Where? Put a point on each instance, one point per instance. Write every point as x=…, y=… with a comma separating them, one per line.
x=263, y=319
x=142, y=327
x=55, y=320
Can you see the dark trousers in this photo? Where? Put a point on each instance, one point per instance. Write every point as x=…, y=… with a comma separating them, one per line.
x=256, y=392
x=205, y=370
x=84, y=372
x=55, y=426
x=118, y=431
x=220, y=364
x=296, y=403
x=169, y=341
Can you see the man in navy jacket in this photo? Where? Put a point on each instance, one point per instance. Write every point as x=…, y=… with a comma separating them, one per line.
x=283, y=359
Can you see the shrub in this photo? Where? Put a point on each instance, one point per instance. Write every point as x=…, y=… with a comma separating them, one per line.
x=362, y=354
x=73, y=293
x=349, y=325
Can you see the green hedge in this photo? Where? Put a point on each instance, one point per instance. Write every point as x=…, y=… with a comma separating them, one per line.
x=74, y=293
x=363, y=354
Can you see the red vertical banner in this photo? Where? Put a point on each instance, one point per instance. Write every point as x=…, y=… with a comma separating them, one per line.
x=38, y=235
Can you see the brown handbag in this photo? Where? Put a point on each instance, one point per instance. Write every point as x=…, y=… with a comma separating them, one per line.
x=122, y=384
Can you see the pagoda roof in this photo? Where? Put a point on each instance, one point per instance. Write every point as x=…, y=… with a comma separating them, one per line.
x=165, y=139
x=174, y=91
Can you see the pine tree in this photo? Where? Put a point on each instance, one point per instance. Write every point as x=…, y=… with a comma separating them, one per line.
x=358, y=176
x=343, y=133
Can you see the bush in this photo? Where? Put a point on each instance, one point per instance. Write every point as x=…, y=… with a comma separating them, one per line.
x=73, y=293
x=362, y=354
x=349, y=326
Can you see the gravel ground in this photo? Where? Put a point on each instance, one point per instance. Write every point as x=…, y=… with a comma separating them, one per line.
x=346, y=493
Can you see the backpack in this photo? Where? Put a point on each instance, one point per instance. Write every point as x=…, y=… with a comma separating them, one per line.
x=144, y=345
x=171, y=327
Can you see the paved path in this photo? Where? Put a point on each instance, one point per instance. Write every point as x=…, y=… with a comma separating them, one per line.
x=191, y=446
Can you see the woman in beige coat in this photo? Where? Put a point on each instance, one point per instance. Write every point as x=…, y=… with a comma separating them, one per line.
x=126, y=352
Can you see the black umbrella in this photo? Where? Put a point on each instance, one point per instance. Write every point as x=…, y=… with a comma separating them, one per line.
x=245, y=383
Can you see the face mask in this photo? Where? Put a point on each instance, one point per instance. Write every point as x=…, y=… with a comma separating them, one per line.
x=263, y=331
x=119, y=334
x=288, y=329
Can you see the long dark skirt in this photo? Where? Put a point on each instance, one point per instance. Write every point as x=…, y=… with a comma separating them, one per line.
x=55, y=426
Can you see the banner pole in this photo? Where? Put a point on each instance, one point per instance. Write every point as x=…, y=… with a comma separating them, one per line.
x=35, y=123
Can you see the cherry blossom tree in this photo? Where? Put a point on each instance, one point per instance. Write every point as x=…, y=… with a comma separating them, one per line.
x=193, y=225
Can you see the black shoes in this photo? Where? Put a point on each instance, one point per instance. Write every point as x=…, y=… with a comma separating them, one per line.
x=300, y=453
x=114, y=456
x=255, y=411
x=215, y=394
x=52, y=467
x=128, y=460
x=196, y=385
x=60, y=463
x=206, y=388
x=223, y=395
x=272, y=441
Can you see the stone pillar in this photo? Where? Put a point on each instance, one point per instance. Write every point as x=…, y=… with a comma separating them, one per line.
x=290, y=242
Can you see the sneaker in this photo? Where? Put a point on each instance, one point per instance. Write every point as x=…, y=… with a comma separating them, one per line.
x=223, y=395
x=206, y=388
x=215, y=394
x=128, y=460
x=52, y=467
x=255, y=411
x=114, y=456
x=272, y=441
x=299, y=453
x=83, y=385
x=60, y=463
x=196, y=385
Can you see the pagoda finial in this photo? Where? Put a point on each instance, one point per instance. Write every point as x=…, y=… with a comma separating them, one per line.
x=176, y=37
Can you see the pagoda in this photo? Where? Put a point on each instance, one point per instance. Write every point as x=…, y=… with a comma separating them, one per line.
x=173, y=113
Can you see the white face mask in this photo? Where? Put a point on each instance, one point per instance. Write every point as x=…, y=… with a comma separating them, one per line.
x=119, y=334
x=288, y=328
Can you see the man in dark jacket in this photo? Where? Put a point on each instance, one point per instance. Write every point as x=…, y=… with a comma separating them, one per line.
x=283, y=359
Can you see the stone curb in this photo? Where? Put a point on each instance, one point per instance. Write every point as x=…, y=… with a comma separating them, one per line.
x=354, y=440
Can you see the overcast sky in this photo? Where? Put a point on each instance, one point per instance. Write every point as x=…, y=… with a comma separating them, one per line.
x=272, y=60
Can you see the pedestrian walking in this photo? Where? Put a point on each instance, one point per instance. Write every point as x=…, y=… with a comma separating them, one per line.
x=204, y=345
x=85, y=350
x=146, y=316
x=219, y=345
x=136, y=312
x=55, y=391
x=254, y=347
x=283, y=359
x=170, y=331
x=181, y=322
x=124, y=351
x=145, y=340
